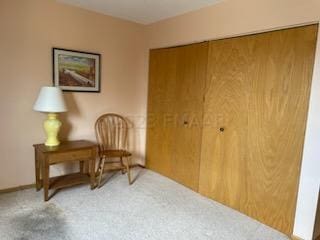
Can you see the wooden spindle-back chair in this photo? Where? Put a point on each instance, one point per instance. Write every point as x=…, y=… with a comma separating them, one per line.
x=112, y=137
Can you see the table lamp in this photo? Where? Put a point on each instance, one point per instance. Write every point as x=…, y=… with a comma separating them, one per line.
x=50, y=100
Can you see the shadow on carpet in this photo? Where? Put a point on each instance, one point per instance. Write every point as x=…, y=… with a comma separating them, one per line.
x=40, y=223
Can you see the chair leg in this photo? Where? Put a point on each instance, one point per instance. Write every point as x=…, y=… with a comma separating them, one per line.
x=128, y=170
x=100, y=160
x=101, y=167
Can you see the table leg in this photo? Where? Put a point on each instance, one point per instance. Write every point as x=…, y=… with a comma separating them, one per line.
x=45, y=176
x=37, y=169
x=81, y=166
x=92, y=173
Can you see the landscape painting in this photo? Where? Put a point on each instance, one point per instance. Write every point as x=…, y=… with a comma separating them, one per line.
x=76, y=71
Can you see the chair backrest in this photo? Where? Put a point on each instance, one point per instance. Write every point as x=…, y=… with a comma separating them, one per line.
x=111, y=132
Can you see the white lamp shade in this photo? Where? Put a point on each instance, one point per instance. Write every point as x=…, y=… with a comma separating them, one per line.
x=50, y=100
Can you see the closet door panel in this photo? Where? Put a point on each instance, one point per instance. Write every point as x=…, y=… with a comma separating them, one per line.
x=176, y=84
x=191, y=76
x=277, y=118
x=161, y=95
x=224, y=148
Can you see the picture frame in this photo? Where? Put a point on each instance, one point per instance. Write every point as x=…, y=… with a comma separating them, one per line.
x=76, y=71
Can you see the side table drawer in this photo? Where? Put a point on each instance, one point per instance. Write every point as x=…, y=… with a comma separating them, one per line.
x=82, y=154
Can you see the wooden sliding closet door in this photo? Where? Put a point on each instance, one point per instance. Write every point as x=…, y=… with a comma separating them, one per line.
x=176, y=87
x=188, y=105
x=277, y=119
x=258, y=92
x=161, y=96
x=225, y=130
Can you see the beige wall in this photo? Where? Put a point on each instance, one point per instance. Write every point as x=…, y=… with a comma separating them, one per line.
x=30, y=28
x=229, y=18
x=28, y=31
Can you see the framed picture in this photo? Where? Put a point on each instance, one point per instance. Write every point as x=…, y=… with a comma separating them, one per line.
x=76, y=71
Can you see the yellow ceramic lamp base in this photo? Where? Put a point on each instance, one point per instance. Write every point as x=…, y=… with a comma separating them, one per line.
x=52, y=126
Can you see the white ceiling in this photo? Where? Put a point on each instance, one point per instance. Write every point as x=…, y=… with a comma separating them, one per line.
x=141, y=11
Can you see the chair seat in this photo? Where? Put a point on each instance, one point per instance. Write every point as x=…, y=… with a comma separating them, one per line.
x=115, y=153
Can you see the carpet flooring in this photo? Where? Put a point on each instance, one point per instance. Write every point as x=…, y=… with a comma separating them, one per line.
x=154, y=208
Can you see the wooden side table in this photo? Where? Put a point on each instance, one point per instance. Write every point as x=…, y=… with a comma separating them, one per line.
x=70, y=151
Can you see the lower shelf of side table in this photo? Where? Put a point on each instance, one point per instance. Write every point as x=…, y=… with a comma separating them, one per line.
x=68, y=180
